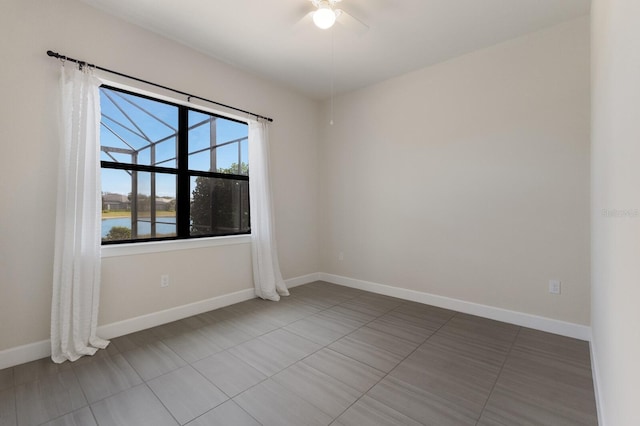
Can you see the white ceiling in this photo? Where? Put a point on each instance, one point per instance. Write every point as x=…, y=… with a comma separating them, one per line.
x=261, y=36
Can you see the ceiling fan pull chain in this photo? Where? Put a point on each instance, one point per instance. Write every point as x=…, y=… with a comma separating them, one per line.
x=333, y=74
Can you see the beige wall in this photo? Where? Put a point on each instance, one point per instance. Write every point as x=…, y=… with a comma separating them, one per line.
x=28, y=168
x=131, y=283
x=468, y=179
x=615, y=206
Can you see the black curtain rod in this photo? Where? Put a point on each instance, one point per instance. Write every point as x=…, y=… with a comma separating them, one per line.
x=188, y=95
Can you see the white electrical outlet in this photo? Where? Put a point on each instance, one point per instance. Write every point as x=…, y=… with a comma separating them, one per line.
x=341, y=256
x=164, y=280
x=554, y=286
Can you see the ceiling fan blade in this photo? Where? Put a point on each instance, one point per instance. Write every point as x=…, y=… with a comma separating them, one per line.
x=351, y=23
x=304, y=22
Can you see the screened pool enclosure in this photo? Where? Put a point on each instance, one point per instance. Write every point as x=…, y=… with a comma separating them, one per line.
x=170, y=171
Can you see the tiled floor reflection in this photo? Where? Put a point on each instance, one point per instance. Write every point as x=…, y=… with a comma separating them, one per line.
x=325, y=355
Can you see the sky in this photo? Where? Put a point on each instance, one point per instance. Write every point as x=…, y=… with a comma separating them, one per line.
x=155, y=121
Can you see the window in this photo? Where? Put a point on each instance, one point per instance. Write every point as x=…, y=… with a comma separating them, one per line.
x=170, y=171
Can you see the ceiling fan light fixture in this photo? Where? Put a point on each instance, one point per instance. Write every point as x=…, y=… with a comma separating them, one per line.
x=324, y=17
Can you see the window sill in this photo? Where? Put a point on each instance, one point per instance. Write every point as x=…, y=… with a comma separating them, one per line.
x=118, y=250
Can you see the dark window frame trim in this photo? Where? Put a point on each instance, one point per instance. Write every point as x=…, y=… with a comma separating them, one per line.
x=181, y=171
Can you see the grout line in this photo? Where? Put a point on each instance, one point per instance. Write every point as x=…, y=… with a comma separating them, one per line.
x=81, y=389
x=400, y=362
x=384, y=373
x=506, y=357
x=142, y=381
x=391, y=371
x=298, y=361
x=347, y=356
x=95, y=419
x=15, y=394
x=160, y=400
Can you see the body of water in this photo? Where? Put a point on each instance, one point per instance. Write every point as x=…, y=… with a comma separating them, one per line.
x=168, y=225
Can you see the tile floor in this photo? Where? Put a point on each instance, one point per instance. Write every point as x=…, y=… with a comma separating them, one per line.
x=325, y=355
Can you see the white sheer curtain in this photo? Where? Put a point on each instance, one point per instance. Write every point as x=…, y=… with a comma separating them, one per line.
x=266, y=269
x=76, y=270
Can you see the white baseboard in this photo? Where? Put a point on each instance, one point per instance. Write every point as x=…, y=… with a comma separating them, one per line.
x=37, y=350
x=131, y=325
x=143, y=322
x=33, y=351
x=596, y=384
x=563, y=328
x=304, y=279
x=25, y=353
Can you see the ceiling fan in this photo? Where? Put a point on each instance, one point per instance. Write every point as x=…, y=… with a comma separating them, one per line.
x=326, y=15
